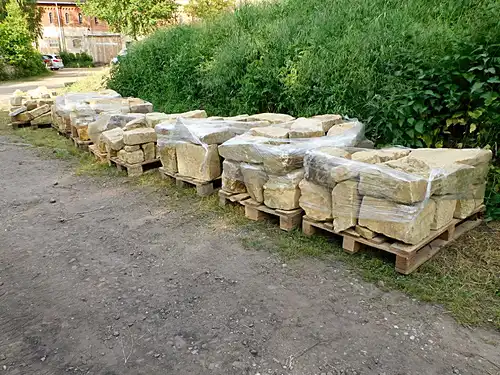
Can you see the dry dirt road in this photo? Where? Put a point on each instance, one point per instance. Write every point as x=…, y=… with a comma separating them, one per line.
x=118, y=280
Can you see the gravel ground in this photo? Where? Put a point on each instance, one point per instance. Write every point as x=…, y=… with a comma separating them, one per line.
x=98, y=277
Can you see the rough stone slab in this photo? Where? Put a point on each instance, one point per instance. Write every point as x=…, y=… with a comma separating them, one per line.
x=40, y=111
x=379, y=156
x=168, y=156
x=107, y=121
x=149, y=151
x=139, y=136
x=137, y=123
x=232, y=178
x=202, y=163
x=327, y=121
x=315, y=200
x=17, y=111
x=282, y=192
x=345, y=205
x=134, y=157
x=365, y=232
x=273, y=118
x=407, y=223
x=445, y=208
x=255, y=178
x=269, y=132
x=23, y=118
x=42, y=120
x=131, y=148
x=31, y=104
x=113, y=138
x=243, y=148
x=306, y=128
x=16, y=101
x=137, y=107
x=326, y=166
x=444, y=156
x=155, y=118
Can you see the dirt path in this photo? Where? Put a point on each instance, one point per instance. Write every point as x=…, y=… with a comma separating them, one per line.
x=112, y=280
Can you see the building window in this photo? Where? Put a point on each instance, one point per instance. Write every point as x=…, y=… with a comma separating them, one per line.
x=54, y=43
x=51, y=18
x=96, y=21
x=80, y=18
x=66, y=17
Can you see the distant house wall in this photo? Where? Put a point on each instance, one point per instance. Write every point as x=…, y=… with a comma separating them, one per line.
x=66, y=28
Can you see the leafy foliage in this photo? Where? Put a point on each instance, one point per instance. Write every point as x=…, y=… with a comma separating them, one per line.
x=76, y=60
x=425, y=74
x=29, y=11
x=131, y=17
x=17, y=55
x=208, y=8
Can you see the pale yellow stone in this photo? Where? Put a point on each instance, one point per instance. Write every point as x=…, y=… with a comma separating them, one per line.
x=202, y=163
x=282, y=192
x=273, y=118
x=379, y=156
x=139, y=136
x=44, y=119
x=149, y=151
x=306, y=128
x=232, y=178
x=345, y=205
x=315, y=200
x=168, y=157
x=445, y=208
x=40, y=111
x=269, y=132
x=131, y=148
x=255, y=179
x=327, y=121
x=365, y=232
x=134, y=157
x=326, y=166
x=113, y=138
x=407, y=223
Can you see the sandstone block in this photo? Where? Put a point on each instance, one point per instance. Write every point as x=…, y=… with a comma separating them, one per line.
x=23, y=118
x=306, y=128
x=113, y=138
x=365, y=232
x=326, y=166
x=137, y=123
x=31, y=104
x=327, y=121
x=168, y=157
x=243, y=148
x=149, y=151
x=16, y=101
x=134, y=157
x=273, y=118
x=42, y=120
x=154, y=118
x=445, y=208
x=111, y=153
x=131, y=148
x=345, y=205
x=475, y=198
x=282, y=192
x=139, y=136
x=255, y=178
x=17, y=111
x=232, y=178
x=137, y=107
x=315, y=200
x=202, y=163
x=269, y=132
x=407, y=223
x=40, y=111
x=42, y=102
x=381, y=181
x=379, y=156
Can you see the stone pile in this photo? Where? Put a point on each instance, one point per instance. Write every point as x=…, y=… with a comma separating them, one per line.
x=32, y=107
x=188, y=143
x=74, y=112
x=267, y=162
x=400, y=193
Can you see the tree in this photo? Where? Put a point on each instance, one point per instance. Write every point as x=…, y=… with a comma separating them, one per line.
x=28, y=11
x=208, y=8
x=131, y=17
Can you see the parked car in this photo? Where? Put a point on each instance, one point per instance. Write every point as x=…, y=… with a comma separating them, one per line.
x=53, y=62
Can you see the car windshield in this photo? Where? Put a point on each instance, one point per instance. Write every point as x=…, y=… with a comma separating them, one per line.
x=57, y=57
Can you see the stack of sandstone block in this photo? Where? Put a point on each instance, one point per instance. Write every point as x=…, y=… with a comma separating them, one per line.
x=32, y=107
x=400, y=193
x=188, y=144
x=267, y=162
x=73, y=113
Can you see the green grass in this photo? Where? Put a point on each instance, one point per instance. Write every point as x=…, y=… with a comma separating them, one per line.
x=464, y=278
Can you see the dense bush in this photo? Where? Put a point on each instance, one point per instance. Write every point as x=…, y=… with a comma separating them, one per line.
x=419, y=73
x=76, y=60
x=18, y=58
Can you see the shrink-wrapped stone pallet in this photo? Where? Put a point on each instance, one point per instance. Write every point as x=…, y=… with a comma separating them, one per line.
x=188, y=145
x=396, y=199
x=32, y=108
x=267, y=163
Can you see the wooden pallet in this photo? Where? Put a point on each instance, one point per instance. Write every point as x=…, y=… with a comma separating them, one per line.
x=289, y=219
x=134, y=169
x=203, y=188
x=408, y=257
x=64, y=134
x=19, y=125
x=101, y=157
x=83, y=145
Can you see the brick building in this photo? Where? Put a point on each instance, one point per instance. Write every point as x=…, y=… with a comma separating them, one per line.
x=66, y=28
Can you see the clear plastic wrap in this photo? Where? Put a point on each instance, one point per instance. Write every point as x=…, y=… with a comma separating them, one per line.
x=401, y=193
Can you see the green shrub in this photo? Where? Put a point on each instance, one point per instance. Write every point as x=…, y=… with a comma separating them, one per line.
x=76, y=60
x=422, y=73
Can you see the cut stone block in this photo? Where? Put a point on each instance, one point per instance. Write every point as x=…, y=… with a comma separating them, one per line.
x=232, y=178
x=137, y=123
x=345, y=205
x=23, y=118
x=282, y=192
x=31, y=104
x=326, y=166
x=443, y=156
x=255, y=178
x=306, y=128
x=45, y=119
x=381, y=181
x=316, y=201
x=149, y=151
x=407, y=223
x=168, y=157
x=269, y=132
x=202, y=163
x=273, y=118
x=445, y=208
x=282, y=159
x=134, y=157
x=42, y=102
x=139, y=136
x=137, y=107
x=16, y=101
x=365, y=232
x=327, y=121
x=131, y=148
x=113, y=138
x=465, y=207
x=379, y=156
x=154, y=118
x=17, y=111
x=40, y=111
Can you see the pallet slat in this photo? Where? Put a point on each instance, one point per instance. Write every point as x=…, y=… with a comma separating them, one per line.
x=134, y=169
x=408, y=257
x=100, y=156
x=203, y=188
